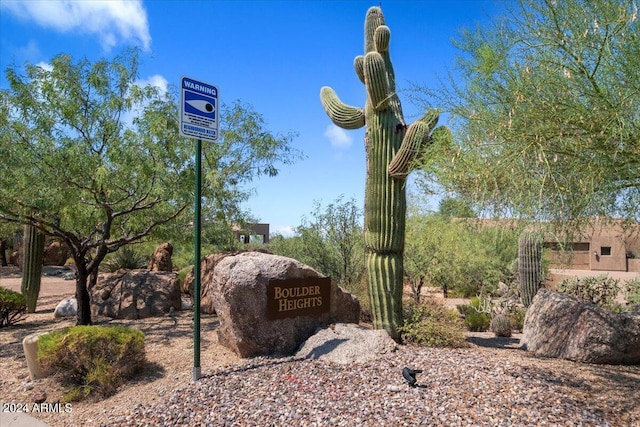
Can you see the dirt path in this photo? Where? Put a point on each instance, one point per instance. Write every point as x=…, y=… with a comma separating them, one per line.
x=52, y=283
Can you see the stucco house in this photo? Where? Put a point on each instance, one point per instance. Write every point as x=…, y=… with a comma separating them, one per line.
x=600, y=246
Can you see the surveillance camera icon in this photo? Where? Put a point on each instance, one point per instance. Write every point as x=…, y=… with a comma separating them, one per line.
x=201, y=105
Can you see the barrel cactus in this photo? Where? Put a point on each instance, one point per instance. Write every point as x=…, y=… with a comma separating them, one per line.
x=529, y=265
x=501, y=325
x=392, y=149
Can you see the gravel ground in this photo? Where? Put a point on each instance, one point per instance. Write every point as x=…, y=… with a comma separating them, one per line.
x=465, y=387
x=491, y=383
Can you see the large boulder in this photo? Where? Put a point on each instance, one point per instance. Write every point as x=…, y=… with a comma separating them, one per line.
x=237, y=286
x=562, y=326
x=14, y=258
x=207, y=266
x=161, y=258
x=55, y=253
x=135, y=294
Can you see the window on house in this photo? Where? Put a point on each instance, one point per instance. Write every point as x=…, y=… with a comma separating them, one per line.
x=605, y=250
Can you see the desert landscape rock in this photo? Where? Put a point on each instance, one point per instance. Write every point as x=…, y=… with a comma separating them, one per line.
x=161, y=258
x=347, y=343
x=68, y=307
x=560, y=325
x=135, y=294
x=237, y=286
x=55, y=253
x=207, y=266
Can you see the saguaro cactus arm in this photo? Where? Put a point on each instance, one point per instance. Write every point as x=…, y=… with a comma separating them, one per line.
x=343, y=115
x=415, y=140
x=376, y=82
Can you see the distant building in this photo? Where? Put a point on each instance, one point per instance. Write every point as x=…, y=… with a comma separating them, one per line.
x=597, y=246
x=600, y=246
x=252, y=233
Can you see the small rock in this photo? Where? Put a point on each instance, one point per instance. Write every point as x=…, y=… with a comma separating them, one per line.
x=66, y=307
x=39, y=397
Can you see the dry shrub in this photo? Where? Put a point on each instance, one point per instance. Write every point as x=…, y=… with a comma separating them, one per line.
x=12, y=307
x=92, y=360
x=432, y=324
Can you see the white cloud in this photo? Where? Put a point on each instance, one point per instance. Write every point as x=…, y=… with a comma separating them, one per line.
x=156, y=80
x=110, y=20
x=339, y=137
x=285, y=231
x=45, y=66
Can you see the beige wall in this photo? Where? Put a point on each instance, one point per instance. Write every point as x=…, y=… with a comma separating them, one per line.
x=597, y=240
x=616, y=261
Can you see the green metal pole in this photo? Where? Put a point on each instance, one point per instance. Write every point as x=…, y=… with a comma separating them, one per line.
x=196, y=266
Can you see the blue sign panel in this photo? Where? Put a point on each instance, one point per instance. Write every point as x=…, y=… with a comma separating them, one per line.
x=199, y=111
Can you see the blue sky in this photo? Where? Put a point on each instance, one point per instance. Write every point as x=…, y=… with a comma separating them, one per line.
x=274, y=55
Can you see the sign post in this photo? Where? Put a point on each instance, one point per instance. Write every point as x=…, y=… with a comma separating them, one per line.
x=198, y=119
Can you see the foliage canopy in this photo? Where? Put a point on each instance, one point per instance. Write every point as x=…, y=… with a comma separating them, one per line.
x=545, y=103
x=93, y=158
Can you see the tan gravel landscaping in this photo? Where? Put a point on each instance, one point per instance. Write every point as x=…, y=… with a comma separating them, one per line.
x=491, y=383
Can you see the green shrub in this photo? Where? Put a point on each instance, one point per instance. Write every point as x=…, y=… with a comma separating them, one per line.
x=12, y=307
x=631, y=289
x=126, y=258
x=477, y=322
x=184, y=272
x=517, y=318
x=92, y=360
x=600, y=290
x=432, y=324
x=476, y=314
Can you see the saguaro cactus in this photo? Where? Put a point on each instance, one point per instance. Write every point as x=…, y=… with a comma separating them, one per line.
x=391, y=148
x=33, y=245
x=529, y=265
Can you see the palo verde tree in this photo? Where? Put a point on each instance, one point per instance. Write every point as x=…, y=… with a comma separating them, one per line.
x=545, y=103
x=94, y=159
x=391, y=148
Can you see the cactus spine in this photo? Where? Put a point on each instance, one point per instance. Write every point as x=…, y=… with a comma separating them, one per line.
x=529, y=265
x=391, y=150
x=33, y=242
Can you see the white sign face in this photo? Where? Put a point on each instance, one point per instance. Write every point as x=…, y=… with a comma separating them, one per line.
x=199, y=110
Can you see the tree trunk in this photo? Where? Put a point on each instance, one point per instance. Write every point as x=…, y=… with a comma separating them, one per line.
x=3, y=252
x=33, y=252
x=83, y=316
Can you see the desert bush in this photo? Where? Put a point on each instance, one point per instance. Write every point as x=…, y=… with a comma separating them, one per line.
x=476, y=314
x=92, y=361
x=501, y=325
x=432, y=324
x=517, y=318
x=184, y=272
x=631, y=290
x=126, y=258
x=457, y=256
x=12, y=307
x=600, y=290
